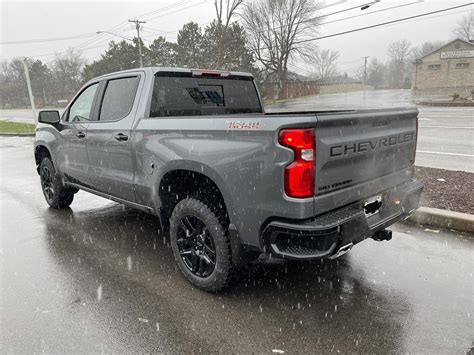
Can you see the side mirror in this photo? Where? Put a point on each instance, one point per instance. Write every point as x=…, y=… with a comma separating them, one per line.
x=49, y=117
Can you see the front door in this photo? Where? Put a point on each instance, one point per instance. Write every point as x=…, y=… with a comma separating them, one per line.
x=109, y=139
x=72, y=156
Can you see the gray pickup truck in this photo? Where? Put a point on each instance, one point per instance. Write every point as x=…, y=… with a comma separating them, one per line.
x=227, y=180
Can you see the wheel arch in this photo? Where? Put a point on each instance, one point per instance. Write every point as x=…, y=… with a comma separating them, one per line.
x=191, y=179
x=41, y=152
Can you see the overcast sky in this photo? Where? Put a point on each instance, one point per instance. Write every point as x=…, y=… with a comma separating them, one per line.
x=41, y=19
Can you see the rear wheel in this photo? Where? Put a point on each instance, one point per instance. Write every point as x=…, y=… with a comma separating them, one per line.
x=55, y=193
x=201, y=246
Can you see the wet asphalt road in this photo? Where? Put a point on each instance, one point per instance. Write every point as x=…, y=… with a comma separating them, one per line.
x=99, y=277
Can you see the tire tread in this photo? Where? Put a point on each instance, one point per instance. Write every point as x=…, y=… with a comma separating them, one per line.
x=218, y=227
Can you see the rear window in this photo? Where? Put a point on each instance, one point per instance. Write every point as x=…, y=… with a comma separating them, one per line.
x=118, y=98
x=191, y=96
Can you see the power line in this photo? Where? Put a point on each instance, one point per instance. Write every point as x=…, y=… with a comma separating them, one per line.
x=377, y=25
x=322, y=37
x=145, y=15
x=424, y=19
x=161, y=10
x=52, y=39
x=322, y=16
x=156, y=31
x=159, y=32
x=172, y=12
x=87, y=43
x=381, y=24
x=372, y=12
x=123, y=23
x=101, y=39
x=49, y=54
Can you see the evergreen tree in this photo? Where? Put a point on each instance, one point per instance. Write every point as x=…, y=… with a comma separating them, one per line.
x=189, y=46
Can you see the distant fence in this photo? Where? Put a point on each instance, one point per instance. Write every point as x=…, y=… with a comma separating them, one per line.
x=306, y=88
x=292, y=90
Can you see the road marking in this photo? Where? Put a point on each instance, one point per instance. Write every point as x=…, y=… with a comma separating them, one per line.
x=443, y=153
x=448, y=127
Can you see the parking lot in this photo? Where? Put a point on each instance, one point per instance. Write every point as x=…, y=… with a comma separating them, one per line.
x=101, y=278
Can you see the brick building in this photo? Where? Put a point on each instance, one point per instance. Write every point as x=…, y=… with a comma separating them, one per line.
x=445, y=71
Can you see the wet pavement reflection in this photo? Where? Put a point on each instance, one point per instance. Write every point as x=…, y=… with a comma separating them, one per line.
x=101, y=277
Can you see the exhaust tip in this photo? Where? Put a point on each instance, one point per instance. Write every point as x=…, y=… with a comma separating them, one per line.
x=342, y=250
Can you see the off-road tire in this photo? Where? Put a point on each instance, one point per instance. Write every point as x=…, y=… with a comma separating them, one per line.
x=216, y=226
x=56, y=194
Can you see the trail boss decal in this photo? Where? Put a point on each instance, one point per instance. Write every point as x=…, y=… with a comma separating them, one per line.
x=367, y=146
x=244, y=125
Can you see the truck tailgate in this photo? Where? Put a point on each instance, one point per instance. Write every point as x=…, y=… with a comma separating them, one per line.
x=360, y=146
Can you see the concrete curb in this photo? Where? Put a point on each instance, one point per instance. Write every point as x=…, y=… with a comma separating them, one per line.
x=446, y=104
x=434, y=217
x=2, y=134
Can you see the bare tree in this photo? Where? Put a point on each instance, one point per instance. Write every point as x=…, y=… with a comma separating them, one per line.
x=326, y=63
x=376, y=73
x=426, y=48
x=225, y=11
x=400, y=67
x=276, y=29
x=465, y=27
x=67, y=72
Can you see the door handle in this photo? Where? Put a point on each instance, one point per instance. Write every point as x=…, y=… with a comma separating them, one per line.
x=121, y=137
x=81, y=135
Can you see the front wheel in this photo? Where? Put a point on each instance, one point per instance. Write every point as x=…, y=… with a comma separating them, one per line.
x=201, y=245
x=56, y=194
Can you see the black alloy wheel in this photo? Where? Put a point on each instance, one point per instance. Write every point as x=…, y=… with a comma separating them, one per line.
x=47, y=183
x=56, y=194
x=196, y=246
x=201, y=245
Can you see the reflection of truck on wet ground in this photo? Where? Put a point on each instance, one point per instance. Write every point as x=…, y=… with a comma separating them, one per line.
x=227, y=180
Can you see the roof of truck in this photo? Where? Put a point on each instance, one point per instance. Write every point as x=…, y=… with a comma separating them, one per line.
x=155, y=70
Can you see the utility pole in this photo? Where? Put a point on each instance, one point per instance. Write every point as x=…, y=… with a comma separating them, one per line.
x=137, y=25
x=365, y=69
x=30, y=92
x=45, y=101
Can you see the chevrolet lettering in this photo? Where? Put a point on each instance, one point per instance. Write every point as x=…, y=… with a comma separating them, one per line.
x=365, y=146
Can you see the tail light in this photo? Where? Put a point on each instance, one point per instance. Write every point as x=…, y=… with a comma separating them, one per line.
x=299, y=175
x=210, y=73
x=416, y=139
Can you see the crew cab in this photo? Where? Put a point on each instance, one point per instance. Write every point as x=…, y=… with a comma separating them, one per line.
x=227, y=180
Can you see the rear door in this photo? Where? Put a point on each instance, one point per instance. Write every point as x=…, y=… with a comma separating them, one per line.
x=357, y=147
x=109, y=146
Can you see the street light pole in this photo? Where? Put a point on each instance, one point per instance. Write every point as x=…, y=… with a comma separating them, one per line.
x=137, y=25
x=30, y=92
x=365, y=69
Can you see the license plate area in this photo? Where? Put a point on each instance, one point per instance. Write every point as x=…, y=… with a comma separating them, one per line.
x=372, y=206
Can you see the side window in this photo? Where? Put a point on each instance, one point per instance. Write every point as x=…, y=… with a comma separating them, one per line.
x=81, y=109
x=118, y=98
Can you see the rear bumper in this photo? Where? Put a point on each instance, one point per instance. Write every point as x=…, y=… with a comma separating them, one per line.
x=323, y=236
